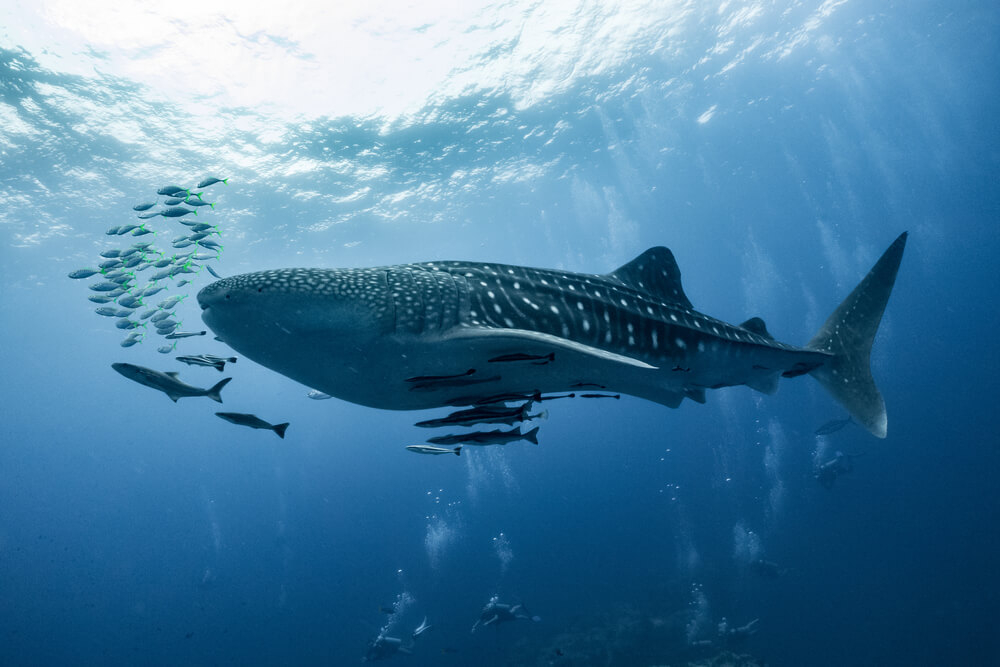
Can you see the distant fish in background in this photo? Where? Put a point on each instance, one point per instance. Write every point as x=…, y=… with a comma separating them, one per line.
x=200, y=202
x=168, y=382
x=832, y=426
x=317, y=395
x=253, y=421
x=149, y=216
x=144, y=207
x=173, y=201
x=212, y=271
x=211, y=180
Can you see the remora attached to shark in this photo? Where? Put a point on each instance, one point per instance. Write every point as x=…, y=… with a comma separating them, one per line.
x=417, y=336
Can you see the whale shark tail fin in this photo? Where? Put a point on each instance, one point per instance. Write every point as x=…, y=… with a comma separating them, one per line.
x=848, y=335
x=280, y=429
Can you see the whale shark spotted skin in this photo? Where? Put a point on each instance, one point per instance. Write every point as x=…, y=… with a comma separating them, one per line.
x=417, y=336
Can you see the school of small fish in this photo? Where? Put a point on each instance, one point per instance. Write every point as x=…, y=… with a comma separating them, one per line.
x=123, y=289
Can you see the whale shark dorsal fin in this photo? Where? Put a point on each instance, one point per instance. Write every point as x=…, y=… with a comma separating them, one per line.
x=172, y=374
x=656, y=273
x=757, y=326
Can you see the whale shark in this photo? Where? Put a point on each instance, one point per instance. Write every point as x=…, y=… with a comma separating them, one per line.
x=426, y=335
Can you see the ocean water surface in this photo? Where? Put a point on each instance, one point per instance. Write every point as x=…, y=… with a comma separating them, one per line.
x=776, y=147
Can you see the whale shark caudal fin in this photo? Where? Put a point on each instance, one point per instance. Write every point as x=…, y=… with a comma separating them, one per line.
x=848, y=335
x=280, y=429
x=213, y=393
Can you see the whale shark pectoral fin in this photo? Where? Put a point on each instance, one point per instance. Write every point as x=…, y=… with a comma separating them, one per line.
x=522, y=339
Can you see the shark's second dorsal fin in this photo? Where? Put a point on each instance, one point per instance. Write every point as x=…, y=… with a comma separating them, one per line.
x=757, y=326
x=172, y=374
x=656, y=273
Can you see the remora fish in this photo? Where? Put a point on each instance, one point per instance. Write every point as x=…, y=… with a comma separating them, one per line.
x=625, y=330
x=482, y=415
x=496, y=437
x=184, y=334
x=430, y=449
x=831, y=426
x=253, y=421
x=218, y=363
x=168, y=382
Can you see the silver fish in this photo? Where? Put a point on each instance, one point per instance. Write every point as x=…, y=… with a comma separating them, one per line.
x=167, y=304
x=130, y=341
x=83, y=273
x=430, y=449
x=177, y=211
x=170, y=190
x=144, y=207
x=130, y=301
x=253, y=421
x=168, y=382
x=211, y=180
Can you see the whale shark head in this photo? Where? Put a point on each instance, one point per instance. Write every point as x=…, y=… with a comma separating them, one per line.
x=300, y=321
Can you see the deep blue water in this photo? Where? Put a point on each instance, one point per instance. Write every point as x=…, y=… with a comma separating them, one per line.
x=776, y=149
